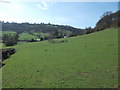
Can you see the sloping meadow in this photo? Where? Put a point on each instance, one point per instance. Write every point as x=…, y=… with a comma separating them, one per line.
x=87, y=61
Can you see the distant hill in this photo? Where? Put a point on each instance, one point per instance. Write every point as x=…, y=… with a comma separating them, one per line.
x=40, y=28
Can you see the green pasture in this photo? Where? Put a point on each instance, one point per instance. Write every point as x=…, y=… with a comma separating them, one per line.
x=27, y=36
x=87, y=61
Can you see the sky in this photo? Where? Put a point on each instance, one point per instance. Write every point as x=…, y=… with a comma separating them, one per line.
x=76, y=14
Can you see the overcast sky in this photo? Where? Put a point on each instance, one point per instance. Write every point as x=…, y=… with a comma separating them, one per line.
x=76, y=14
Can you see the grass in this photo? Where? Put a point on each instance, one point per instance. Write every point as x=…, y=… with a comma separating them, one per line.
x=87, y=61
x=27, y=36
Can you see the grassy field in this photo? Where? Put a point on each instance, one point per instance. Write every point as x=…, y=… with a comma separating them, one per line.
x=27, y=36
x=87, y=61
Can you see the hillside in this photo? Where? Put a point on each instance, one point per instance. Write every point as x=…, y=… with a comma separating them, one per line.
x=39, y=28
x=108, y=20
x=87, y=61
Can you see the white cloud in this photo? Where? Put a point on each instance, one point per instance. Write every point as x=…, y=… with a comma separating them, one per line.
x=42, y=5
